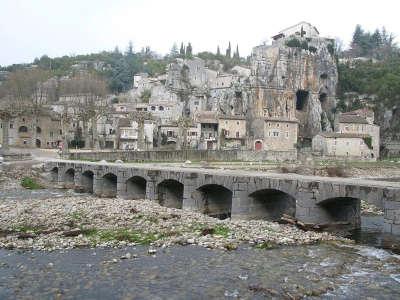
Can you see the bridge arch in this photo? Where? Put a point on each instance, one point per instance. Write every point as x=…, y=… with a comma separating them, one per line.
x=109, y=188
x=341, y=209
x=170, y=193
x=136, y=187
x=87, y=181
x=214, y=200
x=54, y=174
x=69, y=176
x=270, y=204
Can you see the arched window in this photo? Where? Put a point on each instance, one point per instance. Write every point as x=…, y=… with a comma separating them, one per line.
x=23, y=129
x=38, y=130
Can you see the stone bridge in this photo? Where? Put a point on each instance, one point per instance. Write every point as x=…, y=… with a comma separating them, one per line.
x=235, y=193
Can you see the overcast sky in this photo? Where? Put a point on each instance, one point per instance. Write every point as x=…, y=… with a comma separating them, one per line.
x=31, y=28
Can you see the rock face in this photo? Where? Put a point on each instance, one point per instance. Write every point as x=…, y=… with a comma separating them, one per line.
x=295, y=77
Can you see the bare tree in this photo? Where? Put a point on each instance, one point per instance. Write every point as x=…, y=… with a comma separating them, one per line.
x=24, y=93
x=140, y=117
x=183, y=124
x=87, y=95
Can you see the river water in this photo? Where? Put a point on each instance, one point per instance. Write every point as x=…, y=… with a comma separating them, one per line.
x=325, y=270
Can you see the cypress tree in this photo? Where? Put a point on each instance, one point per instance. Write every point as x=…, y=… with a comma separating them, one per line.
x=228, y=51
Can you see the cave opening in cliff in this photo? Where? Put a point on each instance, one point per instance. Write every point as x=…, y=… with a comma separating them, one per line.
x=322, y=97
x=301, y=99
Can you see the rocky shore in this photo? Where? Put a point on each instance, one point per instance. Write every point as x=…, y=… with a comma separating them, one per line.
x=84, y=221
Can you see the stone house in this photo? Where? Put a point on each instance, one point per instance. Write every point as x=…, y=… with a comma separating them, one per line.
x=128, y=131
x=279, y=135
x=361, y=122
x=208, y=130
x=194, y=69
x=171, y=134
x=232, y=132
x=302, y=29
x=343, y=145
x=48, y=133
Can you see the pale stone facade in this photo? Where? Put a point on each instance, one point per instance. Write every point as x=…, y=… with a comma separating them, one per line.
x=279, y=135
x=302, y=29
x=361, y=122
x=208, y=130
x=47, y=133
x=129, y=136
x=232, y=132
x=342, y=145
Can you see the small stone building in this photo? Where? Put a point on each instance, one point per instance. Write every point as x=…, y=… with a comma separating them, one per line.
x=279, y=135
x=208, y=130
x=232, y=132
x=361, y=122
x=47, y=134
x=129, y=135
x=343, y=145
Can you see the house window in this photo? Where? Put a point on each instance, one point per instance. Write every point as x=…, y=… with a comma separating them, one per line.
x=277, y=125
x=51, y=134
x=196, y=102
x=276, y=133
x=23, y=119
x=153, y=108
x=237, y=134
x=11, y=125
x=60, y=131
x=161, y=108
x=287, y=134
x=169, y=133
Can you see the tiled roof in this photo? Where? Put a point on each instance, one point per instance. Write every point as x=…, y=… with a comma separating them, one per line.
x=342, y=135
x=352, y=118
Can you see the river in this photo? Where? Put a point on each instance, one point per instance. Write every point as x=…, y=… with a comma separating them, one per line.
x=325, y=270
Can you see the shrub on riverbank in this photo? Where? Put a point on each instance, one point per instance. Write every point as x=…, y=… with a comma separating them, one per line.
x=30, y=183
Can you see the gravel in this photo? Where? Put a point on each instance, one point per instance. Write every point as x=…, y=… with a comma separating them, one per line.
x=85, y=221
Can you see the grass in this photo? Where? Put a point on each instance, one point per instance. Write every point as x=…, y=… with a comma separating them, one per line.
x=221, y=230
x=77, y=215
x=266, y=245
x=121, y=234
x=27, y=228
x=30, y=183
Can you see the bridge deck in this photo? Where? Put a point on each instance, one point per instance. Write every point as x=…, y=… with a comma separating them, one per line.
x=243, y=173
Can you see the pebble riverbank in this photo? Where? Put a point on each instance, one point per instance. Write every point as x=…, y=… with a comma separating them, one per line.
x=85, y=221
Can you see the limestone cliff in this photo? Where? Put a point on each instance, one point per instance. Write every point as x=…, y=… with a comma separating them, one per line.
x=295, y=77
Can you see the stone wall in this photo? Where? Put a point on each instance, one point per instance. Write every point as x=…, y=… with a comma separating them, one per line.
x=183, y=155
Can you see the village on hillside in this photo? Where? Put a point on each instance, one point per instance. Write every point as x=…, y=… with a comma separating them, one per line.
x=282, y=102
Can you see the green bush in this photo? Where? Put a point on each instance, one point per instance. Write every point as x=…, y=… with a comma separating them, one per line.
x=368, y=141
x=312, y=49
x=30, y=183
x=293, y=43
